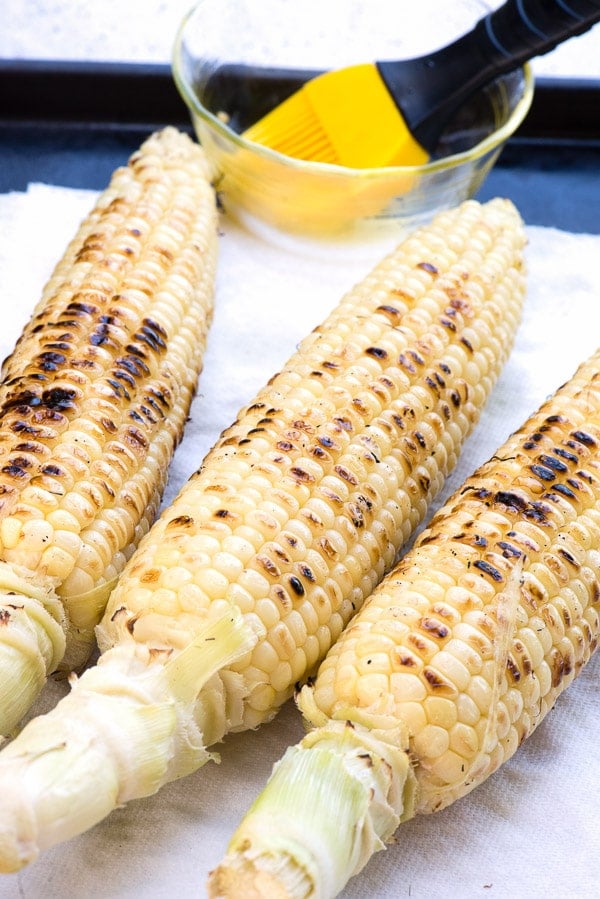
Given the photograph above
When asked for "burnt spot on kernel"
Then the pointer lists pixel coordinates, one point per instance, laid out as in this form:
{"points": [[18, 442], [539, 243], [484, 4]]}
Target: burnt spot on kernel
{"points": [[13, 470], [513, 669], [481, 493], [455, 398], [559, 667], [51, 361], [508, 550], [269, 566], [434, 627], [306, 572], [405, 660], [569, 558], [428, 267], [448, 323], [78, 308], [346, 475], [328, 548], [152, 334], [119, 389], [301, 476], [424, 482], [52, 470], [511, 500], [553, 463], [526, 664], [102, 335], [331, 495], [282, 596], [583, 437], [356, 515], [296, 585], [344, 424], [377, 352], [125, 377], [134, 365], [543, 473], [533, 440], [390, 312], [28, 448], [565, 454], [406, 363], [327, 442], [438, 683], [224, 513], [489, 569], [564, 491], [185, 522], [416, 357]]}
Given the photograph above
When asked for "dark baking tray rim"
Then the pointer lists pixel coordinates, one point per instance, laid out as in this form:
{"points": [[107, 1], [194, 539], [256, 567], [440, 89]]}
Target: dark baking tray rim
{"points": [[125, 95]]}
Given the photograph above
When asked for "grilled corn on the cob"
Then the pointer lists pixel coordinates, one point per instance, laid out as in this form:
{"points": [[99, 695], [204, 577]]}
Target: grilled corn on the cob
{"points": [[292, 519], [92, 402], [454, 660]]}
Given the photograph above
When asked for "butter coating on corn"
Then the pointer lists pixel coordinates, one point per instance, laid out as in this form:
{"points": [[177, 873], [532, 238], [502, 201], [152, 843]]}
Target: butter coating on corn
{"points": [[92, 403], [452, 663], [296, 513]]}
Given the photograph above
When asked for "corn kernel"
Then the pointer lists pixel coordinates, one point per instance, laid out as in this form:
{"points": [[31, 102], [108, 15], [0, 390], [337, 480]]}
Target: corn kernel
{"points": [[440, 711], [57, 562], [10, 532], [431, 742]]}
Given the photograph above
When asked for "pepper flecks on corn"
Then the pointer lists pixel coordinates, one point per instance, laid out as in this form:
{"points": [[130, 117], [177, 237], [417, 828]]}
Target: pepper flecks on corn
{"points": [[454, 660], [92, 402], [292, 519]]}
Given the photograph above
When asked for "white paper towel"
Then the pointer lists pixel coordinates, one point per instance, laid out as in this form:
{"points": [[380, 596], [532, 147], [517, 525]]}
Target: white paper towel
{"points": [[529, 831]]}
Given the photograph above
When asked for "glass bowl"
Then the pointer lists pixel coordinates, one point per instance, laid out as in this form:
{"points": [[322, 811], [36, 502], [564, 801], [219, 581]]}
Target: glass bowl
{"points": [[234, 60]]}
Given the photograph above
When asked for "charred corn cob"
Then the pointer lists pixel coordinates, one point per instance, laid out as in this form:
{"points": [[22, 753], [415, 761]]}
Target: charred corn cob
{"points": [[92, 402], [294, 516], [454, 660]]}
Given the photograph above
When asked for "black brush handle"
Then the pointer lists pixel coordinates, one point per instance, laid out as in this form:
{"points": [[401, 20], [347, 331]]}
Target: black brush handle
{"points": [[428, 90], [520, 30]]}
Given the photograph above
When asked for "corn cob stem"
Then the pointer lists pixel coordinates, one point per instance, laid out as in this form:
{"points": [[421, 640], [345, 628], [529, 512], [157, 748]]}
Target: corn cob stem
{"points": [[303, 503], [138, 703], [455, 659], [92, 403], [330, 804]]}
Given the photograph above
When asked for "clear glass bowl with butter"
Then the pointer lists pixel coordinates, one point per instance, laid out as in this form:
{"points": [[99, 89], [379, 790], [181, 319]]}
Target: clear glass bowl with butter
{"points": [[234, 60]]}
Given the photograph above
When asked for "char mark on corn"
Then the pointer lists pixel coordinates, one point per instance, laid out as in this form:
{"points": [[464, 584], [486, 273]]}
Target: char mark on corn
{"points": [[472, 638], [303, 503], [94, 397], [453, 661], [295, 515]]}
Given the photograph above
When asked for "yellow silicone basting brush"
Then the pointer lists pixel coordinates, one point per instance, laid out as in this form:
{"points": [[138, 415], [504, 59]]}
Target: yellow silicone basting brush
{"points": [[393, 113]]}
